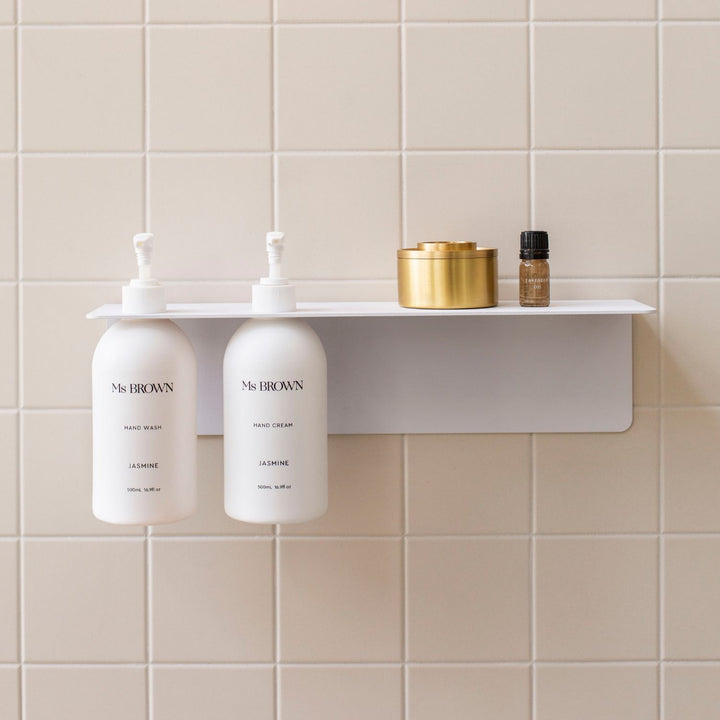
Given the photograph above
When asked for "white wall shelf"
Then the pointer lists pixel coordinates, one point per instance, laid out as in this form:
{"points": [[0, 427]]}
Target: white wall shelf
{"points": [[507, 369]]}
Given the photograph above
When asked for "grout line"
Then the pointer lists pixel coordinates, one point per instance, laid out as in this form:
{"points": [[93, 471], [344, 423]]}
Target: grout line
{"points": [[138, 25], [344, 152], [275, 183], [243, 283], [531, 154], [274, 119], [149, 653], [372, 664], [489, 22], [715, 663], [533, 575], [276, 622], [531, 117], [349, 152], [56, 411], [19, 390], [147, 222], [138, 537], [146, 121], [533, 437], [660, 269], [405, 627], [402, 118]]}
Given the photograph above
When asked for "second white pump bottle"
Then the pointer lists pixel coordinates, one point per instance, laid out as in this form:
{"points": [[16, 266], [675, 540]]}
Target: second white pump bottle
{"points": [[275, 409]]}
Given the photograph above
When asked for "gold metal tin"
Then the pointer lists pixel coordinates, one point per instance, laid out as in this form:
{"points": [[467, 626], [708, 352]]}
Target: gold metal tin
{"points": [[447, 275]]}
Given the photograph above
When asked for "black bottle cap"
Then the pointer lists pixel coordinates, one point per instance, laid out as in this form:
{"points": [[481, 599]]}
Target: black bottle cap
{"points": [[534, 245]]}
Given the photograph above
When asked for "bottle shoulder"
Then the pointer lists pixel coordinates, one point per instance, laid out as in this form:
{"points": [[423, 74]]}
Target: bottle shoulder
{"points": [[275, 330], [144, 341], [275, 338]]}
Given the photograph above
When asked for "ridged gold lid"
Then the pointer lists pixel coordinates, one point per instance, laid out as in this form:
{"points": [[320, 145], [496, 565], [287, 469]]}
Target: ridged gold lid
{"points": [[446, 251]]}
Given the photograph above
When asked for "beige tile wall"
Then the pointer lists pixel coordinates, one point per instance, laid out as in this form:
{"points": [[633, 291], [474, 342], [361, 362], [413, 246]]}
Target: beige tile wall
{"points": [[511, 577]]}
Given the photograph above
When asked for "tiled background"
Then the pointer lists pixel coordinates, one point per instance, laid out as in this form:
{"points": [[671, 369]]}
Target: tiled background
{"points": [[552, 577]]}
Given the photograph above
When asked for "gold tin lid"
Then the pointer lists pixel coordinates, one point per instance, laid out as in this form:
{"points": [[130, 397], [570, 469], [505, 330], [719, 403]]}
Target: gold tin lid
{"points": [[447, 275], [442, 250]]}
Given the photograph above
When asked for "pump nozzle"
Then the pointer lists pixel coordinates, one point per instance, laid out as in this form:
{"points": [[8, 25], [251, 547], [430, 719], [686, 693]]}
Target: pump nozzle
{"points": [[143, 244], [275, 246], [274, 294], [143, 295]]}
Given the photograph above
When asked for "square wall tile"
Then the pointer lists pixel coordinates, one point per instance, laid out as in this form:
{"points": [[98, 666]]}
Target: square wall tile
{"points": [[340, 600], [7, 89], [466, 87], [54, 326], [210, 215], [79, 215], [597, 598], [468, 693], [209, 88], [81, 11], [469, 600], [467, 484], [692, 596], [220, 592], [605, 97], [9, 601], [691, 9], [352, 693], [84, 601], [597, 692], [10, 693], [209, 517], [209, 11], [645, 328], [601, 212], [341, 214], [85, 693], [481, 198], [691, 214], [9, 476], [440, 10], [212, 693], [57, 476], [691, 457], [8, 348], [8, 224], [338, 88], [593, 10], [691, 346], [690, 82], [365, 478], [333, 11], [7, 11], [692, 692], [599, 482], [89, 81]]}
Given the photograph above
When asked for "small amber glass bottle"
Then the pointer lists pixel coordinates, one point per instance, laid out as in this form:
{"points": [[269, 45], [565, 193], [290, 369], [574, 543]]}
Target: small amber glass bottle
{"points": [[534, 269]]}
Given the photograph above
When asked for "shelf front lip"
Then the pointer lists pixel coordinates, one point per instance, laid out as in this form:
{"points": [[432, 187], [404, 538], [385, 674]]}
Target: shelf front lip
{"points": [[193, 311]]}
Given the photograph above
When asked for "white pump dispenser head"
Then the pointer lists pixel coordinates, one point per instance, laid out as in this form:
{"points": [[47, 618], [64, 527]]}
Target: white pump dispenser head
{"points": [[144, 295], [274, 294]]}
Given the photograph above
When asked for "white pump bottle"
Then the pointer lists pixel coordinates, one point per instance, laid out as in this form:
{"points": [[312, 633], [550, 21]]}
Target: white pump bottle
{"points": [[275, 409], [144, 395]]}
